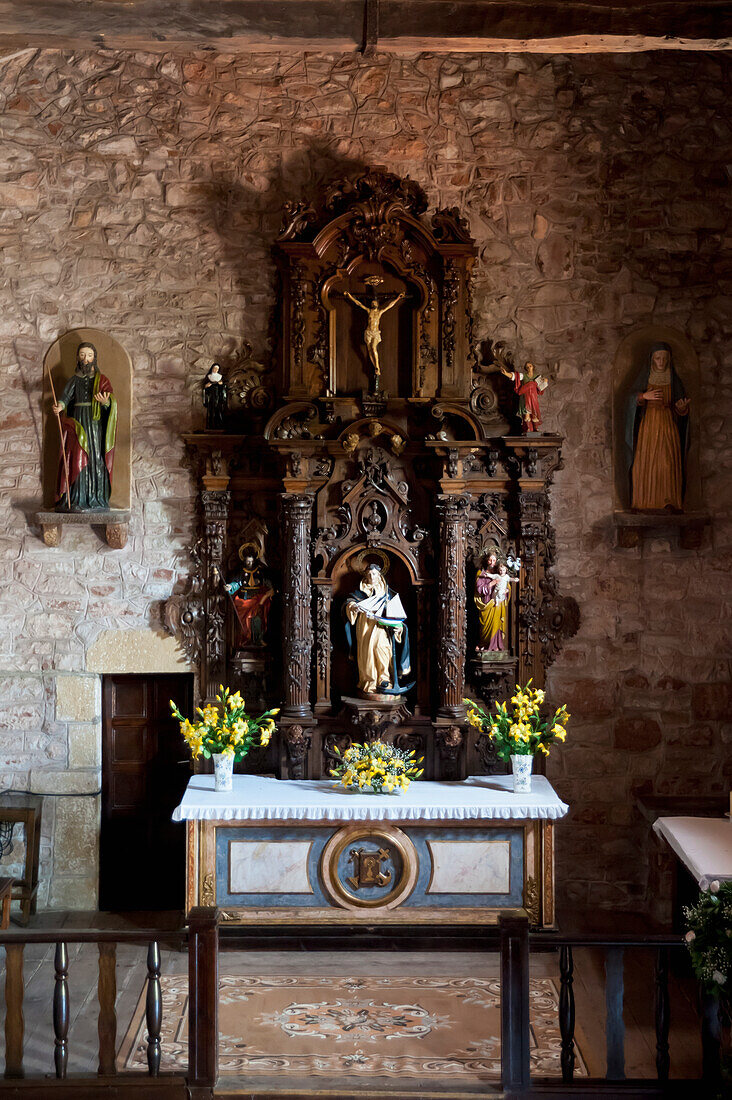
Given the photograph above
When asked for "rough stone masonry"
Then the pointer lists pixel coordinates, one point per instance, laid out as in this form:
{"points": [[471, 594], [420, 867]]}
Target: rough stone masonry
{"points": [[140, 194]]}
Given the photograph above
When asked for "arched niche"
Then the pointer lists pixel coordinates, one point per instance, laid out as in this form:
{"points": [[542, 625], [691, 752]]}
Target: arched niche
{"points": [[345, 579], [114, 362], [632, 355]]}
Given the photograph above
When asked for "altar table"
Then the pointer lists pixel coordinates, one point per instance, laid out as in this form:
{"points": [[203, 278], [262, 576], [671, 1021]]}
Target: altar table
{"points": [[703, 844], [308, 851]]}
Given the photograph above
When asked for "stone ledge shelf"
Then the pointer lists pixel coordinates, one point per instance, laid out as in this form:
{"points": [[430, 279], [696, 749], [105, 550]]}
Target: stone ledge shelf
{"points": [[631, 526], [115, 523]]}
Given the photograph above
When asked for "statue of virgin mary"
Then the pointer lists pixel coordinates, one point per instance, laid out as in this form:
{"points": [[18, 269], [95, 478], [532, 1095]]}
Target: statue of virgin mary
{"points": [[376, 629]]}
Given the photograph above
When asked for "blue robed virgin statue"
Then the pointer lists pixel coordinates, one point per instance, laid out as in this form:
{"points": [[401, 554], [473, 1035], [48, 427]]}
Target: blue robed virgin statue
{"points": [[377, 633]]}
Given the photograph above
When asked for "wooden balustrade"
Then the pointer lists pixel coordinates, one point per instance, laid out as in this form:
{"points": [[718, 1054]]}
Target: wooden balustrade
{"points": [[202, 937], [516, 955], [515, 944]]}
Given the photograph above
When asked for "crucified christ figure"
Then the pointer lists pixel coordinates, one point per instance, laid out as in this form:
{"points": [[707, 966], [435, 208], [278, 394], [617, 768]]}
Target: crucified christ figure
{"points": [[372, 336]]}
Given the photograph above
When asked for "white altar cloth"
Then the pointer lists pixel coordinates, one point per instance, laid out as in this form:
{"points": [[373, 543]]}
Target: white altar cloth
{"points": [[704, 844], [259, 798]]}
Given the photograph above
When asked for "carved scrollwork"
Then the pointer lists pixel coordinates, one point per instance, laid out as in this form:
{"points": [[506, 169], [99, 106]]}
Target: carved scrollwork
{"points": [[318, 352], [484, 401], [450, 290], [449, 226], [323, 643], [298, 283], [373, 723], [247, 386], [297, 620], [452, 513], [183, 615], [297, 219], [333, 741], [295, 421], [297, 742], [380, 190], [449, 741], [410, 741], [559, 618]]}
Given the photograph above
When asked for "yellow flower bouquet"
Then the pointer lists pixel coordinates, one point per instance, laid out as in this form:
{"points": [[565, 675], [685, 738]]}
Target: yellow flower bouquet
{"points": [[520, 731], [378, 767], [224, 729]]}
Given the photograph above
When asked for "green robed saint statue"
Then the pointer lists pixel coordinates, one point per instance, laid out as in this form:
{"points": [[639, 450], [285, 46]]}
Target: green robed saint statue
{"points": [[87, 412]]}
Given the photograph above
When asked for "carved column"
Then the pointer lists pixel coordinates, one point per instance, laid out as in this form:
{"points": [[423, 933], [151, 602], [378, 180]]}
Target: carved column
{"points": [[215, 504], [452, 512], [297, 510]]}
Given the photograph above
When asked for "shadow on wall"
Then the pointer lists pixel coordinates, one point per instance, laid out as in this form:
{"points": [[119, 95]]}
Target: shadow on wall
{"points": [[248, 219]]}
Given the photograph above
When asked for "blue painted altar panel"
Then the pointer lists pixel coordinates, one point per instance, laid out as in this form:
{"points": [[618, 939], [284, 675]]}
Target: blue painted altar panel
{"points": [[319, 836]]}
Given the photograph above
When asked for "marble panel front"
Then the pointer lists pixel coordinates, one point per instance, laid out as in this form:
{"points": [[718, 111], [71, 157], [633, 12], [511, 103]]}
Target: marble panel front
{"points": [[269, 867], [470, 866]]}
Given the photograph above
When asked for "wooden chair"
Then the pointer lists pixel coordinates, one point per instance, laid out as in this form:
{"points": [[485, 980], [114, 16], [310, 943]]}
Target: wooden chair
{"points": [[6, 889]]}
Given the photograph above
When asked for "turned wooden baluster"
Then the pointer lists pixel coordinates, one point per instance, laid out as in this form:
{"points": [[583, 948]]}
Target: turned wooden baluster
{"points": [[61, 1009], [14, 1023], [153, 1009], [614, 1026], [566, 1011], [107, 1022], [662, 1014], [711, 1034]]}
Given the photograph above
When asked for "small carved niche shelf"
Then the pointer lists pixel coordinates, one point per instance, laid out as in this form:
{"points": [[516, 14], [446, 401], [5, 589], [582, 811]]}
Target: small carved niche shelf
{"points": [[115, 523]]}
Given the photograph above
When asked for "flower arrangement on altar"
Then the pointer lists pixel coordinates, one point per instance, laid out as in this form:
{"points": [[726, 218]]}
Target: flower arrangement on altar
{"points": [[225, 732], [378, 767], [521, 732], [709, 939]]}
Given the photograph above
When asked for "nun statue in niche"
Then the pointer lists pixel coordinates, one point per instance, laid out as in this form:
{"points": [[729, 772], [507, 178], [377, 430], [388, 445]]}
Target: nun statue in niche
{"points": [[657, 435], [377, 632]]}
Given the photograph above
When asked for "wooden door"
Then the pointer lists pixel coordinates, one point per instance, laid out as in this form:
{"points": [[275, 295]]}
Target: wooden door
{"points": [[145, 769]]}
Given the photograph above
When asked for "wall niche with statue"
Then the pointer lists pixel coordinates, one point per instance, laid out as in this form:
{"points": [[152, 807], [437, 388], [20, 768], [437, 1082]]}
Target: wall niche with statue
{"points": [[656, 437], [375, 541], [87, 415]]}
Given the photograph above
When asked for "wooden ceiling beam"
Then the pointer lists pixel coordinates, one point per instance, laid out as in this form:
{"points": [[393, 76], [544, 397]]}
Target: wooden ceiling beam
{"points": [[542, 26]]}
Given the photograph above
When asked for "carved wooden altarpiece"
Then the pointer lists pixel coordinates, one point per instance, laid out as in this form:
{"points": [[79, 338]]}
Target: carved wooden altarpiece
{"points": [[325, 459]]}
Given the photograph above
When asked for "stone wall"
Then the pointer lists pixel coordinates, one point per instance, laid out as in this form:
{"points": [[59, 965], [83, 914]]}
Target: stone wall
{"points": [[140, 195]]}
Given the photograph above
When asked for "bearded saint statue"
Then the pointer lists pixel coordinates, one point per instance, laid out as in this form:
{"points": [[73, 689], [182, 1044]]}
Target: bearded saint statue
{"points": [[88, 421], [377, 633]]}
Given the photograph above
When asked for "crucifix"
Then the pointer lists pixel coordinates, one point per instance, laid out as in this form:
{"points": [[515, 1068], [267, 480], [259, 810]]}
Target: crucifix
{"points": [[372, 335]]}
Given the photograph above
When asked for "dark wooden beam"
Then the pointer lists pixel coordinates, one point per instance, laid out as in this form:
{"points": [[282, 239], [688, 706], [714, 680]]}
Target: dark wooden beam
{"points": [[547, 26]]}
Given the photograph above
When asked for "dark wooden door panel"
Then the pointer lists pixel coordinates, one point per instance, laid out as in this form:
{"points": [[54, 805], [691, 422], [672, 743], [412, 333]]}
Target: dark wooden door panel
{"points": [[144, 773]]}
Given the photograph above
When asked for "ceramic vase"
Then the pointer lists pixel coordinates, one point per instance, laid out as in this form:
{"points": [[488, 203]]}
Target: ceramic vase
{"points": [[521, 767], [223, 770]]}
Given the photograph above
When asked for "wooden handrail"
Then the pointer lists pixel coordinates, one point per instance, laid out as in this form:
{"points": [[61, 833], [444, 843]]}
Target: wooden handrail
{"points": [[602, 939], [90, 935]]}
